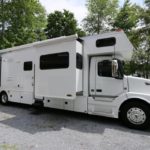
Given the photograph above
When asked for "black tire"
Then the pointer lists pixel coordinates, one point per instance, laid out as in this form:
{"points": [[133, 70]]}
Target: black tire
{"points": [[135, 115], [4, 98]]}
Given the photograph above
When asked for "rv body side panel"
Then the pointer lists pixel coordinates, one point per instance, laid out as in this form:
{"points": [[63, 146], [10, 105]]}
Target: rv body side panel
{"points": [[78, 105], [41, 82], [79, 67], [16, 81], [121, 48], [55, 71]]}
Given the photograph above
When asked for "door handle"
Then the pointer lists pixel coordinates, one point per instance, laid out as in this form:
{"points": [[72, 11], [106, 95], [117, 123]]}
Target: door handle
{"points": [[98, 90]]}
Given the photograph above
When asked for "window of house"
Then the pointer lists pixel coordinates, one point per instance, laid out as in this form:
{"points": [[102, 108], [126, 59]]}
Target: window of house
{"points": [[54, 61], [106, 42], [105, 68], [27, 66]]}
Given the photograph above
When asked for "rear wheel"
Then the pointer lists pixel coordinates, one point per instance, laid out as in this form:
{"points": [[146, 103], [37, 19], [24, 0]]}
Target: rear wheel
{"points": [[135, 115], [4, 98]]}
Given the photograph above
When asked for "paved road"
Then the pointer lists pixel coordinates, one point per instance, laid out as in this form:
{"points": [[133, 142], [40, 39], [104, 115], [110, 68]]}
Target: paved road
{"points": [[22, 128]]}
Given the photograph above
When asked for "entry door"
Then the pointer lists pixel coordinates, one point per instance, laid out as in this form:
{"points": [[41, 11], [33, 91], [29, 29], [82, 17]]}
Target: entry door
{"points": [[105, 85], [27, 82], [12, 73]]}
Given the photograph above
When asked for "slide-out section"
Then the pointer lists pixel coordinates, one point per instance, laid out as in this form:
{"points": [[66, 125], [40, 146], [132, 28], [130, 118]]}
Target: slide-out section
{"points": [[55, 70]]}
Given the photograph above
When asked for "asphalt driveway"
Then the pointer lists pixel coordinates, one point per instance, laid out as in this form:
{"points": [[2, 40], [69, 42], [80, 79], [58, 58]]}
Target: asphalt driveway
{"points": [[24, 128]]}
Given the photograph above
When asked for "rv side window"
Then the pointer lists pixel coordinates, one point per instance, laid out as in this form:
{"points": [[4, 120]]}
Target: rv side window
{"points": [[54, 61], [28, 66], [79, 61], [104, 68], [106, 42]]}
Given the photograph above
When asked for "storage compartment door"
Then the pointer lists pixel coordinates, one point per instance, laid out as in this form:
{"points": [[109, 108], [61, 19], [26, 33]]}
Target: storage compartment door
{"points": [[56, 75]]}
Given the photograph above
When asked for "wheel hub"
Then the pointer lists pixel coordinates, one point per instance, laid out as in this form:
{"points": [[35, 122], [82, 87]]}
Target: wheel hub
{"points": [[136, 116]]}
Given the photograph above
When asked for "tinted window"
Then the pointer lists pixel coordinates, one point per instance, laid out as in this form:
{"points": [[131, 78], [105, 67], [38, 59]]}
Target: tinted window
{"points": [[28, 66], [105, 42], [79, 61], [105, 69], [54, 61]]}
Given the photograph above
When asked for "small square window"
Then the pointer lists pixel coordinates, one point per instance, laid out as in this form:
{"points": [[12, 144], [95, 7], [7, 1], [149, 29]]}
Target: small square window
{"points": [[28, 66]]}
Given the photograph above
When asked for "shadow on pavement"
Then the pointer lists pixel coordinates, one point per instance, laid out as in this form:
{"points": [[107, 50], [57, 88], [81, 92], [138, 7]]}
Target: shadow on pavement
{"points": [[31, 120]]}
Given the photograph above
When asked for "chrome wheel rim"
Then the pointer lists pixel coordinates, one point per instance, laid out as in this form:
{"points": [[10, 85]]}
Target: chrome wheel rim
{"points": [[136, 116], [4, 98]]}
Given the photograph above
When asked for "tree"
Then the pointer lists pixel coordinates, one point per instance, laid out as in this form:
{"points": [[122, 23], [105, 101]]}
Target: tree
{"points": [[140, 64], [133, 20], [62, 24], [80, 32], [100, 15], [145, 30], [147, 2], [144, 33], [128, 17], [3, 18], [24, 22]]}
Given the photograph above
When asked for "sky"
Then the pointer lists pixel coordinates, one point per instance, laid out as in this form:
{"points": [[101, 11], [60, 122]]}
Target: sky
{"points": [[76, 6]]}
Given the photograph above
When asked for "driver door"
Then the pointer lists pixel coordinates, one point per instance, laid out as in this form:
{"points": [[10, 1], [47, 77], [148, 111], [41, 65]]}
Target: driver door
{"points": [[105, 85]]}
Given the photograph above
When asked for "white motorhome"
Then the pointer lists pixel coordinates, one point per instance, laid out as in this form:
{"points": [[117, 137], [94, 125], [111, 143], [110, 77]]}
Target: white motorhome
{"points": [[77, 74]]}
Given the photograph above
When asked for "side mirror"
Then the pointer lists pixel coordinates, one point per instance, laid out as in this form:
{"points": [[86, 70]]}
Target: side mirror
{"points": [[115, 68]]}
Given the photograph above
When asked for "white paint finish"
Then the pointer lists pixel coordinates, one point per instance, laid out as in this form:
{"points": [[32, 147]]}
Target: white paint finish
{"points": [[109, 86], [92, 77], [10, 75], [54, 85], [139, 85], [100, 107], [79, 80], [123, 50], [13, 74], [51, 83], [100, 110], [139, 96], [15, 79], [77, 105], [39, 44], [68, 105], [80, 104], [105, 84], [123, 47], [54, 103], [26, 97], [79, 72], [15, 96]]}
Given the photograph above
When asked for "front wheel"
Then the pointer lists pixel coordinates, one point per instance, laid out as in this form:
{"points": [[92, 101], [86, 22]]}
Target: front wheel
{"points": [[135, 115], [4, 98]]}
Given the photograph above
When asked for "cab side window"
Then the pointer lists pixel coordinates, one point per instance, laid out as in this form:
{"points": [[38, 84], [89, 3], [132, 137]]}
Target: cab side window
{"points": [[105, 68]]}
